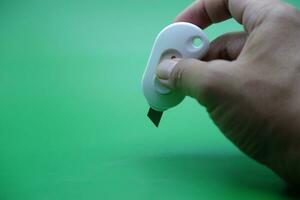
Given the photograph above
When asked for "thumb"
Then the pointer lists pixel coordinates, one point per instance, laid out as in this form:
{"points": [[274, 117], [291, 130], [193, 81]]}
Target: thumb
{"points": [[204, 81]]}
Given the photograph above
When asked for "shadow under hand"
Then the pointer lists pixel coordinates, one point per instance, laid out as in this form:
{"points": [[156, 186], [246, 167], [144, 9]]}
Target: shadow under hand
{"points": [[291, 192], [214, 172]]}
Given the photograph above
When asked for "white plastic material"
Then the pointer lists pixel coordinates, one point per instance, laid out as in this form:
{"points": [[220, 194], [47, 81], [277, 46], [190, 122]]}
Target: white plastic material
{"points": [[177, 40]]}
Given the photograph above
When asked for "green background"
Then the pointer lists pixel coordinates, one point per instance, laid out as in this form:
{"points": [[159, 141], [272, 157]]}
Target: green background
{"points": [[73, 119]]}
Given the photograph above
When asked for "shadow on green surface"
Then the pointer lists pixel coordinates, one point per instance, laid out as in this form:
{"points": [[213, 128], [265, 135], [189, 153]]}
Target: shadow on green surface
{"points": [[292, 193], [214, 172]]}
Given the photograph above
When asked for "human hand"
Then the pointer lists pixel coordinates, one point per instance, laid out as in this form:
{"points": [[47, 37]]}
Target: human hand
{"points": [[249, 81]]}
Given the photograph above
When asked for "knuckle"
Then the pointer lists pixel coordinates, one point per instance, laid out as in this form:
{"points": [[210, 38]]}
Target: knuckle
{"points": [[274, 13], [213, 83], [179, 72], [282, 13], [220, 82]]}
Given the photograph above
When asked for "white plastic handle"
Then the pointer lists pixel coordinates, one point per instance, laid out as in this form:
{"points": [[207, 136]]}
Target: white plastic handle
{"points": [[176, 40]]}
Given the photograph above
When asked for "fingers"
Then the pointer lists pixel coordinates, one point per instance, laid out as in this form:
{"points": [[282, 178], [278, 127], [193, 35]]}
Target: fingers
{"points": [[201, 80], [206, 12], [226, 47]]}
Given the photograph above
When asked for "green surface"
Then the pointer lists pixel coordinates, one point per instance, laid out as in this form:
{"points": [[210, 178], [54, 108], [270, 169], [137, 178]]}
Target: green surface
{"points": [[73, 119]]}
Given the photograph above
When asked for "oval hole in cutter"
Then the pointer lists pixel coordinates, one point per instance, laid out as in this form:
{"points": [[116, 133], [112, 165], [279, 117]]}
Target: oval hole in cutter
{"points": [[197, 42]]}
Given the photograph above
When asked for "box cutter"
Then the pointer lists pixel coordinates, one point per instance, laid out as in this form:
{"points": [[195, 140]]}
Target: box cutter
{"points": [[179, 40]]}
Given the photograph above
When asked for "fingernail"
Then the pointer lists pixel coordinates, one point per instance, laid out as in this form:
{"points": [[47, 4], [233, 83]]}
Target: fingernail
{"points": [[165, 68]]}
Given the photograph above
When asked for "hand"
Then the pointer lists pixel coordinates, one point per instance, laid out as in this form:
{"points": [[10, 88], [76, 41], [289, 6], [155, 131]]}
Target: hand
{"points": [[249, 81]]}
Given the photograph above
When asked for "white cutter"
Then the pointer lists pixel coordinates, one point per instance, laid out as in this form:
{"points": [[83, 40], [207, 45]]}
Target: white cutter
{"points": [[179, 40]]}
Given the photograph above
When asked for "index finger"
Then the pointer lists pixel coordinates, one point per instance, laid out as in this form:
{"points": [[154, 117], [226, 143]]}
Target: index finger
{"points": [[206, 12]]}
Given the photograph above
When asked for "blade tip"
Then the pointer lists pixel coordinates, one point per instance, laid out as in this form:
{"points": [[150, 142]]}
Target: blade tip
{"points": [[155, 116]]}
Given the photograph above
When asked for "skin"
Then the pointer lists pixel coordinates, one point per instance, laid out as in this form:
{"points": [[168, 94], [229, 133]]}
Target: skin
{"points": [[249, 81]]}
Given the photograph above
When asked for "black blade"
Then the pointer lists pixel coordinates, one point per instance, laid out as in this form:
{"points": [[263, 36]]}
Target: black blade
{"points": [[155, 116]]}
